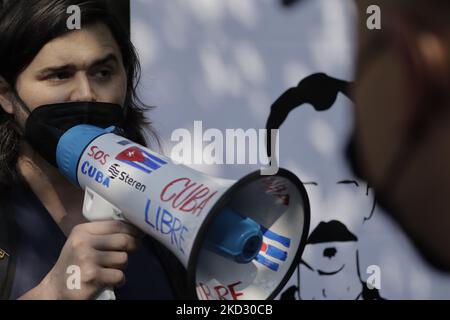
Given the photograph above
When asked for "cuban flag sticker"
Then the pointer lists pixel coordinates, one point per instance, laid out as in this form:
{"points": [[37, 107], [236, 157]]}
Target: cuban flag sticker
{"points": [[271, 254], [140, 159]]}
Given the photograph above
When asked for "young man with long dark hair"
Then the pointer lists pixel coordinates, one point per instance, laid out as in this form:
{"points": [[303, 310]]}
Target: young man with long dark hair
{"points": [[63, 76]]}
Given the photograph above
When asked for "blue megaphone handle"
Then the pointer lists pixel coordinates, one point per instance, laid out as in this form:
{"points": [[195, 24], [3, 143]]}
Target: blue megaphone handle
{"points": [[234, 237]]}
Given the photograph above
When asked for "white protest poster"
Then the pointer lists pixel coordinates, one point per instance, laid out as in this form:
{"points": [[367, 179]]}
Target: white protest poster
{"points": [[221, 65]]}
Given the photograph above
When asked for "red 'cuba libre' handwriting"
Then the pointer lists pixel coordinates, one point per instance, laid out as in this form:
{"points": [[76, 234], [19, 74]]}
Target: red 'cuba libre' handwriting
{"points": [[220, 292], [186, 195]]}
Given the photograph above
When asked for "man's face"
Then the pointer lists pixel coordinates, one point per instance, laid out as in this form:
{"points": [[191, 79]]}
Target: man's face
{"points": [[388, 95], [381, 98], [83, 65]]}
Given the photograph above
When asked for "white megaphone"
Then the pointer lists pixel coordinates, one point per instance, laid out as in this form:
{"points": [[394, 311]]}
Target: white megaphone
{"points": [[237, 239]]}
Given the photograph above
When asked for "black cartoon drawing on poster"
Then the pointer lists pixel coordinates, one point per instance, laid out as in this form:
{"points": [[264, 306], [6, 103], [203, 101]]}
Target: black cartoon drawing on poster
{"points": [[335, 261], [330, 267]]}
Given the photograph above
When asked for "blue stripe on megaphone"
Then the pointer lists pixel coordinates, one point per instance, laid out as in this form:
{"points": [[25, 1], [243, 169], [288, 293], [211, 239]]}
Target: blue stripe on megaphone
{"points": [[149, 163], [124, 142], [266, 262], [134, 164], [276, 253], [276, 237], [159, 160]]}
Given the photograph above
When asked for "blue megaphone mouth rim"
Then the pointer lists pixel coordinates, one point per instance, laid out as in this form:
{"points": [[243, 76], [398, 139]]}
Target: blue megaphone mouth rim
{"points": [[222, 202]]}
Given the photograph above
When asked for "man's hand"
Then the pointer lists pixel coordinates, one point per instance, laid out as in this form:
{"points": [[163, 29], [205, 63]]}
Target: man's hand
{"points": [[100, 249]]}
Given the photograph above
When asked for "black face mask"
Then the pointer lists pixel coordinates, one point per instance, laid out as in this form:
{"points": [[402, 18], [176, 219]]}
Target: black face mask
{"points": [[46, 124]]}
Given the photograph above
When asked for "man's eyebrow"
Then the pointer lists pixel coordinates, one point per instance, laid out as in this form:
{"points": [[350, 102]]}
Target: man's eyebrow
{"points": [[309, 183], [110, 57], [348, 182]]}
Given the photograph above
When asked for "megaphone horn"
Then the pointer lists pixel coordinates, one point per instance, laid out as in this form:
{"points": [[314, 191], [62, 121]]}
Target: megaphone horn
{"points": [[237, 239]]}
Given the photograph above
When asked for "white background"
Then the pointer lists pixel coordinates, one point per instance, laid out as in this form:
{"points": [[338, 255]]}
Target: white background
{"points": [[225, 62]]}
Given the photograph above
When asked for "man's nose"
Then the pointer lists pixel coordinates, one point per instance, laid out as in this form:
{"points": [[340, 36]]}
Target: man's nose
{"points": [[82, 89]]}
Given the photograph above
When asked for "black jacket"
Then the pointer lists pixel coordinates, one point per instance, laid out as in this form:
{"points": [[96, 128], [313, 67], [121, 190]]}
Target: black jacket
{"points": [[7, 244], [176, 273]]}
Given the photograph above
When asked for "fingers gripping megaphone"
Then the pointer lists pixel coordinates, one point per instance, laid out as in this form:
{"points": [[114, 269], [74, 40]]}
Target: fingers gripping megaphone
{"points": [[236, 239]]}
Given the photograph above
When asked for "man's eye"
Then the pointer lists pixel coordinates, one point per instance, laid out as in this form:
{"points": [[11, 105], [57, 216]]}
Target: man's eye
{"points": [[103, 74], [58, 76]]}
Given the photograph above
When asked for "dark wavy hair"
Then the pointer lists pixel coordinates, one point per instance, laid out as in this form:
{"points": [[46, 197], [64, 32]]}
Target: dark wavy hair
{"points": [[25, 27]]}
